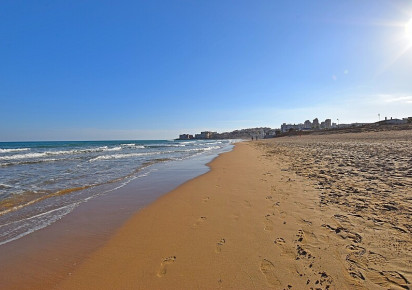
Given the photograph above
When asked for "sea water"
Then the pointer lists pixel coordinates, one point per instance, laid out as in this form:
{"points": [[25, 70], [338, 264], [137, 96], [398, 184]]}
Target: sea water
{"points": [[40, 182]]}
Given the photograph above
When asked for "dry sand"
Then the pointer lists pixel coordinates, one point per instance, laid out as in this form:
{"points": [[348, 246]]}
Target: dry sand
{"points": [[321, 212]]}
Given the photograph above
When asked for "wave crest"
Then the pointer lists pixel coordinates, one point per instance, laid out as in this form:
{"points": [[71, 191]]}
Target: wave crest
{"points": [[13, 150]]}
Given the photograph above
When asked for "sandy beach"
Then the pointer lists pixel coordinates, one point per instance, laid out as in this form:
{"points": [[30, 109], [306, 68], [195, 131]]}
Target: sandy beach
{"points": [[206, 145], [309, 212]]}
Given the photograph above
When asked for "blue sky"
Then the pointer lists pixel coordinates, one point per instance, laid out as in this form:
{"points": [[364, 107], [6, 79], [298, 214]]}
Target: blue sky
{"points": [[86, 70]]}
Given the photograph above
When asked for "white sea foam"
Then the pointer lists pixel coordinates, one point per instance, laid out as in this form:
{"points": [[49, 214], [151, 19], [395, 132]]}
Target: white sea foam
{"points": [[200, 149], [36, 223], [4, 186], [176, 145], [13, 150], [55, 153], [23, 156], [99, 149], [114, 149], [119, 156], [166, 145], [211, 148], [132, 146]]}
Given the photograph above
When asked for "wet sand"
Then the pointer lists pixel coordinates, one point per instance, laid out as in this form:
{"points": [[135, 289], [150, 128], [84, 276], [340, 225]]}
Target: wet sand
{"points": [[43, 258], [321, 212]]}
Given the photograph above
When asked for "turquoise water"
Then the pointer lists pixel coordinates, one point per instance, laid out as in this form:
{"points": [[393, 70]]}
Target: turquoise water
{"points": [[40, 182]]}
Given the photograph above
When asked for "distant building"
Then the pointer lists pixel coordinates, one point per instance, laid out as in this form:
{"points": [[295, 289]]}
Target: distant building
{"points": [[288, 127], [272, 133], [392, 121], [285, 127], [205, 135], [185, 137], [358, 124], [307, 125], [322, 125], [345, 126], [258, 134], [315, 123]]}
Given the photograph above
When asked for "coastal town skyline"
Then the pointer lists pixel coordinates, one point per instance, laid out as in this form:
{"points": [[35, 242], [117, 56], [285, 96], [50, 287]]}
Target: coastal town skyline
{"points": [[150, 70], [267, 132]]}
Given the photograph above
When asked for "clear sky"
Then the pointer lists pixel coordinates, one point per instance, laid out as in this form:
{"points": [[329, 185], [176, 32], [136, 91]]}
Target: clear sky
{"points": [[87, 70]]}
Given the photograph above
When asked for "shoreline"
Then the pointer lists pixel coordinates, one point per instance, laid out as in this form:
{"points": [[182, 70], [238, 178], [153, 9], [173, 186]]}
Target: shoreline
{"points": [[221, 237], [37, 190], [41, 259]]}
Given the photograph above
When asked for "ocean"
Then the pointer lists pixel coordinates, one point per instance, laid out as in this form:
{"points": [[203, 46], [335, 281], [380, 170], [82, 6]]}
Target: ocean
{"points": [[41, 182]]}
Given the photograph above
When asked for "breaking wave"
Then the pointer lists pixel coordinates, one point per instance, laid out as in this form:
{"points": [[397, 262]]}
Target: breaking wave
{"points": [[13, 150]]}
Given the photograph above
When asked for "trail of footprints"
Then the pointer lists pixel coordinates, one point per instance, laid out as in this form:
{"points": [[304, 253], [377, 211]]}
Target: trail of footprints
{"points": [[358, 257], [314, 277], [166, 262], [301, 255]]}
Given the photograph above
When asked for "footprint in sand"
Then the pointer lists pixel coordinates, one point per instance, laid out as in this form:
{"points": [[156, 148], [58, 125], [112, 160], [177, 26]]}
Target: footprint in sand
{"points": [[199, 221], [164, 265], [206, 199], [269, 270], [276, 204], [268, 223], [281, 213], [285, 250], [219, 245]]}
